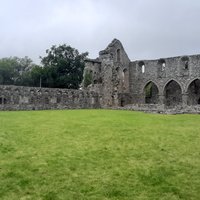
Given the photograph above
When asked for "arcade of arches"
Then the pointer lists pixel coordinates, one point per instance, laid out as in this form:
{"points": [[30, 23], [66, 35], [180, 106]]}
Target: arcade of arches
{"points": [[172, 93]]}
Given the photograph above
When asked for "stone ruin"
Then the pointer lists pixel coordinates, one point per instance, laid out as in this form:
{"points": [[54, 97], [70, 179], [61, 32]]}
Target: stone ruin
{"points": [[166, 85], [35, 98]]}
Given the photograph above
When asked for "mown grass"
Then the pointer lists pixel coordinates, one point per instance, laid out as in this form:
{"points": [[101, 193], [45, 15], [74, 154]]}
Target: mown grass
{"points": [[99, 155]]}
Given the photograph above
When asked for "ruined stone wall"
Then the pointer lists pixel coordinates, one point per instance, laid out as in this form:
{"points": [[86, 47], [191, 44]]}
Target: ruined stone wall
{"points": [[32, 98], [149, 85], [166, 83], [113, 73], [182, 70]]}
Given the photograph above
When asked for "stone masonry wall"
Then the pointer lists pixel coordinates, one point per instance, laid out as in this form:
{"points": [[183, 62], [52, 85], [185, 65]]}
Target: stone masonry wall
{"points": [[112, 69], [166, 83], [32, 98], [149, 85], [174, 69]]}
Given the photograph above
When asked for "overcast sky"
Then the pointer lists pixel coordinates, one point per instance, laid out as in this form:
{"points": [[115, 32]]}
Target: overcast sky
{"points": [[148, 29]]}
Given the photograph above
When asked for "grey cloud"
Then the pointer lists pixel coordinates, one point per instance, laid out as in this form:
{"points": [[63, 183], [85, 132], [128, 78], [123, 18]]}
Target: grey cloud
{"points": [[147, 29]]}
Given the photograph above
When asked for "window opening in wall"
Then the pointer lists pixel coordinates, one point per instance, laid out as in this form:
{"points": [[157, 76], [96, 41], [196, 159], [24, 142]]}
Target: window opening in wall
{"points": [[173, 94], [123, 76], [151, 93], [194, 92], [3, 100], [95, 81], [122, 102], [118, 55], [142, 66], [186, 65], [185, 61], [163, 66]]}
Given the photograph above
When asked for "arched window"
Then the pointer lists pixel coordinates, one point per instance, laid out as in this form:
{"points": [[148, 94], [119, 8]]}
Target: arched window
{"points": [[3, 100], [151, 93], [162, 64], [142, 66], [118, 55], [194, 92], [161, 68], [173, 94], [124, 74], [185, 62]]}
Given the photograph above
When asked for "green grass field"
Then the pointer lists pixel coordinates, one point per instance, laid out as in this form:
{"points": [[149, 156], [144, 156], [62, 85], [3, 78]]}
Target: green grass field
{"points": [[99, 155]]}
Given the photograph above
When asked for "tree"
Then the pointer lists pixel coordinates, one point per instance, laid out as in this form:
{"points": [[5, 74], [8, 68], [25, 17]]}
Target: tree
{"points": [[32, 77], [63, 67], [13, 70], [8, 72]]}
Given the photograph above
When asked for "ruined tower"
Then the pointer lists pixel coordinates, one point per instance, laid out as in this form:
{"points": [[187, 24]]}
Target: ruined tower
{"points": [[110, 75]]}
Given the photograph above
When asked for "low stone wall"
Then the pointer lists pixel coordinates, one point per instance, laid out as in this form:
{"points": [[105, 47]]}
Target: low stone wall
{"points": [[156, 108], [33, 98]]}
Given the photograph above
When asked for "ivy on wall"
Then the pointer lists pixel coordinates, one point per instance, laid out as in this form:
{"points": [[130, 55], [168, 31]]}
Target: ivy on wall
{"points": [[87, 78]]}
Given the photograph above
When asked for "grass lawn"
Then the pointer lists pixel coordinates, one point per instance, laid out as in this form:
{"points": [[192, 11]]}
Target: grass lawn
{"points": [[99, 155]]}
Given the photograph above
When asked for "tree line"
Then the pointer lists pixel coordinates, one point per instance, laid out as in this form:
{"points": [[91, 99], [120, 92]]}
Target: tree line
{"points": [[62, 67]]}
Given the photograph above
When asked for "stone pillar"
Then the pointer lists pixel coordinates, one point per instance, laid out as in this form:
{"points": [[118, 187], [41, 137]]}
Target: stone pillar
{"points": [[184, 99], [142, 98], [116, 100], [161, 99]]}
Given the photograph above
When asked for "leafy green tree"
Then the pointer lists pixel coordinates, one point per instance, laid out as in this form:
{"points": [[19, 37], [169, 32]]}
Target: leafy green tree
{"points": [[8, 73], [13, 70], [32, 77], [63, 67]]}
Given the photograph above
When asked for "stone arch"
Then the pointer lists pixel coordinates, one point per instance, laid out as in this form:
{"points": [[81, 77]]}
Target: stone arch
{"points": [[193, 91], [173, 93], [151, 93]]}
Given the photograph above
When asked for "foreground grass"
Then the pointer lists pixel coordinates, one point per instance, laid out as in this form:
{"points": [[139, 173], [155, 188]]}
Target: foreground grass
{"points": [[99, 154]]}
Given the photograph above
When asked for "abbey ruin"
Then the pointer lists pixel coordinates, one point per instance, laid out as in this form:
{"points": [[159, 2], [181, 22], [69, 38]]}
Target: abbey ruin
{"points": [[113, 81], [170, 84]]}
